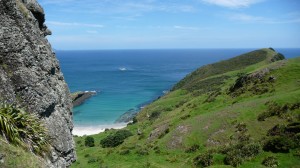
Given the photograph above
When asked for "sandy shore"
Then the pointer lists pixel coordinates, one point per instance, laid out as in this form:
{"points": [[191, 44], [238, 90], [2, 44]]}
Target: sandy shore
{"points": [[90, 130]]}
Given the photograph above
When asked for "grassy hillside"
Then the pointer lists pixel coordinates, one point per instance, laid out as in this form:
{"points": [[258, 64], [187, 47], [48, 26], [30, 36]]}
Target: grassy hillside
{"points": [[12, 156], [242, 112]]}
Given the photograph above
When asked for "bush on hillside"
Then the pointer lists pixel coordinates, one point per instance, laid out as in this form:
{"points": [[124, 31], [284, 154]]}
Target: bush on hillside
{"points": [[192, 149], [23, 129], [203, 160], [279, 144], [274, 109], [241, 152], [270, 161], [154, 115], [115, 139], [134, 120], [89, 141]]}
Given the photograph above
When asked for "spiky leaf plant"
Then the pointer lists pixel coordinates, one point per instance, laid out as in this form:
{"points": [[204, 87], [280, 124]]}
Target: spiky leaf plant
{"points": [[23, 129]]}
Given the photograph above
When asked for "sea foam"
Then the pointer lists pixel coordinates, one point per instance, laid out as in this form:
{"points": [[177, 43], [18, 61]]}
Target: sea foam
{"points": [[90, 130]]}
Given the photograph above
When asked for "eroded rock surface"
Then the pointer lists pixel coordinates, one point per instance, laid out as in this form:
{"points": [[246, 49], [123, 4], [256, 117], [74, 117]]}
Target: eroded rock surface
{"points": [[30, 75]]}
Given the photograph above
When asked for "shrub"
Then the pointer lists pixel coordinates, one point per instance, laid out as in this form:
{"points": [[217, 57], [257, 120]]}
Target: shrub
{"points": [[278, 144], [270, 161], [79, 142], [233, 158], [156, 149], [154, 115], [274, 109], [277, 130], [203, 160], [134, 120], [192, 149], [89, 141], [251, 150], [23, 129], [237, 154], [116, 139]]}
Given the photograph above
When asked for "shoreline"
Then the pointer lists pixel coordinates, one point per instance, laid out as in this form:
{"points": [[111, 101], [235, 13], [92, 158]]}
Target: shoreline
{"points": [[91, 130]]}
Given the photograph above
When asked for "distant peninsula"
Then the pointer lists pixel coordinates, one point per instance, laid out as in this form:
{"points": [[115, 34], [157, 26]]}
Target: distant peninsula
{"points": [[81, 96]]}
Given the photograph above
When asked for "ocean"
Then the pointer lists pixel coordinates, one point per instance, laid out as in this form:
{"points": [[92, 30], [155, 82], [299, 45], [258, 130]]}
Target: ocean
{"points": [[129, 79]]}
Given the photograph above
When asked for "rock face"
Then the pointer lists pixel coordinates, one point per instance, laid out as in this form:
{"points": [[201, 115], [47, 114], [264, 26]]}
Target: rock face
{"points": [[30, 75], [80, 97]]}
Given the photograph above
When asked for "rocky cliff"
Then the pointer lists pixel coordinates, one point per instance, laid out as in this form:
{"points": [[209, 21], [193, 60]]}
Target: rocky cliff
{"points": [[30, 75]]}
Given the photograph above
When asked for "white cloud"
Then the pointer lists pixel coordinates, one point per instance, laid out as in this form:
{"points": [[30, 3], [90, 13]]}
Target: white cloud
{"points": [[288, 18], [185, 27], [55, 23], [233, 3], [247, 18]]}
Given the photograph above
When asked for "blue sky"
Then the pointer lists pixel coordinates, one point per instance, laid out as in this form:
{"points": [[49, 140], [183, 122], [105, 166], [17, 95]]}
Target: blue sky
{"points": [[147, 24]]}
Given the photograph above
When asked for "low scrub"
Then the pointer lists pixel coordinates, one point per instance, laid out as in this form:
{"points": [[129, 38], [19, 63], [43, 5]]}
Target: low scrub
{"points": [[89, 141], [283, 138], [270, 161], [239, 153], [203, 160], [154, 115], [274, 109], [192, 149], [115, 139]]}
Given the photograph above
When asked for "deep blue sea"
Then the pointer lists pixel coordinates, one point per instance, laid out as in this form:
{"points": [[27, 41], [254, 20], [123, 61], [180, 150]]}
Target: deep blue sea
{"points": [[127, 79]]}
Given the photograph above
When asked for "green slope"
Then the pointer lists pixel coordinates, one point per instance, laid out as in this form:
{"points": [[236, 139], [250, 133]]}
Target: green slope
{"points": [[223, 115]]}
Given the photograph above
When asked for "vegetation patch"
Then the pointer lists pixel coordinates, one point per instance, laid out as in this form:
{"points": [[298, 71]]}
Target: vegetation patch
{"points": [[23, 129], [274, 109], [270, 161], [241, 152], [89, 141], [192, 149], [256, 83], [154, 115], [221, 67], [203, 160], [283, 138], [206, 85], [115, 139]]}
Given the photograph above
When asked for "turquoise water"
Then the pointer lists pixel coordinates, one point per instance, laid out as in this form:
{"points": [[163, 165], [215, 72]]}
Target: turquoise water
{"points": [[128, 79]]}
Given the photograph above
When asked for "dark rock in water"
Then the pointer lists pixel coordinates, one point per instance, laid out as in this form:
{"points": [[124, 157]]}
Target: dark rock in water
{"points": [[79, 97], [128, 116], [30, 75]]}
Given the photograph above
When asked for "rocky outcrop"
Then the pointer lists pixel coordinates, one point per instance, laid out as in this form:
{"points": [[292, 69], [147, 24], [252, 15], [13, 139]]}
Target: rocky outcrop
{"points": [[80, 97], [30, 75], [127, 116]]}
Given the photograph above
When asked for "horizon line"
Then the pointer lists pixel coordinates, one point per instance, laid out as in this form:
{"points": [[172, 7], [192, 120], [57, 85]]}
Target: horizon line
{"points": [[168, 49]]}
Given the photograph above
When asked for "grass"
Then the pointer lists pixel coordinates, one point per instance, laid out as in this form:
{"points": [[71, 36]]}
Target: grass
{"points": [[16, 157], [23, 137], [205, 118]]}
